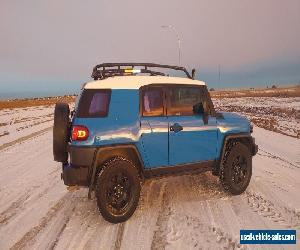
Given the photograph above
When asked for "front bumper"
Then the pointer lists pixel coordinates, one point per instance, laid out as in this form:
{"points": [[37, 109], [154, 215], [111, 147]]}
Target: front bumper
{"points": [[254, 147]]}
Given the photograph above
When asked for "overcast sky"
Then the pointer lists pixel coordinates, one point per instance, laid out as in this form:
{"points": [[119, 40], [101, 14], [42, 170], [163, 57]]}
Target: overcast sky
{"points": [[53, 45]]}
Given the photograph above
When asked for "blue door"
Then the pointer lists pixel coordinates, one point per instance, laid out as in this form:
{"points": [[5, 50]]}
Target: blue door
{"points": [[191, 137], [154, 127]]}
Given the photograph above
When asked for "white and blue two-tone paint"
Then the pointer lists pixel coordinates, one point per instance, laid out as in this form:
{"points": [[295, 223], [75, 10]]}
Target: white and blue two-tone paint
{"points": [[157, 145], [128, 126]]}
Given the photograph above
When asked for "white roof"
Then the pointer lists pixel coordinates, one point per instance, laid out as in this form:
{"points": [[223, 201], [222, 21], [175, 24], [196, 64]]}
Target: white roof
{"points": [[135, 82]]}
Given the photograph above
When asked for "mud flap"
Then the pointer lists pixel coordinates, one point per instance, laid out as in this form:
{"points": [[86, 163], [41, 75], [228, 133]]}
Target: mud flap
{"points": [[94, 169]]}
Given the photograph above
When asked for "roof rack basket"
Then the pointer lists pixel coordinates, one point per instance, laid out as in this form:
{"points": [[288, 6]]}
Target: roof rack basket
{"points": [[105, 70]]}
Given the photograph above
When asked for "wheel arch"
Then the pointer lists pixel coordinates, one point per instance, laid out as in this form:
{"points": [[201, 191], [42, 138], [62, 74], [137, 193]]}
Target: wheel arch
{"points": [[105, 153], [127, 151], [243, 138]]}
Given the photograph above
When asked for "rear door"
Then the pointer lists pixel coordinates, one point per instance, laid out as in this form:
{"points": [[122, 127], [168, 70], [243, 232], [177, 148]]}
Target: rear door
{"points": [[192, 138], [154, 126]]}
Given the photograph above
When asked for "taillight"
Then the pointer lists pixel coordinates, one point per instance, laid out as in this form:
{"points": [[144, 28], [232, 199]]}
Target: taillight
{"points": [[79, 133]]}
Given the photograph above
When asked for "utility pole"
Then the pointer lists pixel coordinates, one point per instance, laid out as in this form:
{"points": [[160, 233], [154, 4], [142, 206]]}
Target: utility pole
{"points": [[171, 27]]}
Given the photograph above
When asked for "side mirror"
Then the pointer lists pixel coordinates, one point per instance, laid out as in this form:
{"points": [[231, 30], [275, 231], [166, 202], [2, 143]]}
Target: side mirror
{"points": [[198, 109]]}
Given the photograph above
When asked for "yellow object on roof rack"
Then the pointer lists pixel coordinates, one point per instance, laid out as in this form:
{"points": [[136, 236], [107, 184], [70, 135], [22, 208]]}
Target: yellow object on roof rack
{"points": [[133, 71]]}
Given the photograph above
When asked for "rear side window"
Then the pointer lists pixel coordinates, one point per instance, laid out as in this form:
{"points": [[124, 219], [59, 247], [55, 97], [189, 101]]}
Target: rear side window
{"points": [[182, 100], [94, 103], [152, 102]]}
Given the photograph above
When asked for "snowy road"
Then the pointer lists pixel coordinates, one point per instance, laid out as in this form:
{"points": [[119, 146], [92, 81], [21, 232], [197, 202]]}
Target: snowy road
{"points": [[186, 212]]}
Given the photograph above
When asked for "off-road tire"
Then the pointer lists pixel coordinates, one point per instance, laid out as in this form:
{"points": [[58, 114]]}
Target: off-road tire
{"points": [[61, 132], [233, 152], [112, 168]]}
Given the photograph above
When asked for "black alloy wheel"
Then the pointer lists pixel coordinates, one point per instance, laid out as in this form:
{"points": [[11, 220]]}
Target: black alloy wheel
{"points": [[236, 171], [118, 190]]}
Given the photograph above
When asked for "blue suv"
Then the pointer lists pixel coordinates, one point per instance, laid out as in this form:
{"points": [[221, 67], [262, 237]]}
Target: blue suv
{"points": [[133, 121]]}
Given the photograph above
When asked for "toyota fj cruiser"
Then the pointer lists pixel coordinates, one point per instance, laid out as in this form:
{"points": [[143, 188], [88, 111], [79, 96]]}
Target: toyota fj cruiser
{"points": [[133, 122]]}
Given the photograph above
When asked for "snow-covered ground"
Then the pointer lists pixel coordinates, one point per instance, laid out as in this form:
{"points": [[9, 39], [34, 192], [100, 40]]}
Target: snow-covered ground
{"points": [[21, 122], [281, 115], [184, 212]]}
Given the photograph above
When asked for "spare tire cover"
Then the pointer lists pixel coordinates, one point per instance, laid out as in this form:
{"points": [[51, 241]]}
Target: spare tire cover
{"points": [[61, 132]]}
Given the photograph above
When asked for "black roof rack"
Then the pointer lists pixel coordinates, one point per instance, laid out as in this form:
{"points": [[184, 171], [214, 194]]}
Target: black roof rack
{"points": [[105, 70]]}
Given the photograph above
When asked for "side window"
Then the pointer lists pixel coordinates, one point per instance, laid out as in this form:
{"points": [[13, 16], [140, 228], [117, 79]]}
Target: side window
{"points": [[183, 99], [152, 102], [94, 103]]}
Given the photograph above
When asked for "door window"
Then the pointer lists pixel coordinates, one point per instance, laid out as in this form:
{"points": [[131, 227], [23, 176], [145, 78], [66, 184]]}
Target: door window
{"points": [[152, 102], [182, 100]]}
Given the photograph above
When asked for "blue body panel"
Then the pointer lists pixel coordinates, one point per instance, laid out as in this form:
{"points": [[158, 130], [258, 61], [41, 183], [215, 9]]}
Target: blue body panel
{"points": [[231, 124], [196, 142], [154, 139], [156, 144], [120, 126]]}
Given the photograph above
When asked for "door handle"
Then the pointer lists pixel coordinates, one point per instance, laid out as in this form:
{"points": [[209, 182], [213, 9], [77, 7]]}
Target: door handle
{"points": [[176, 127]]}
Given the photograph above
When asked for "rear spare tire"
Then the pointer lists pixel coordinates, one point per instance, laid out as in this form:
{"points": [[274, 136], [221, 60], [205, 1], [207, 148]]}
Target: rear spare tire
{"points": [[61, 132]]}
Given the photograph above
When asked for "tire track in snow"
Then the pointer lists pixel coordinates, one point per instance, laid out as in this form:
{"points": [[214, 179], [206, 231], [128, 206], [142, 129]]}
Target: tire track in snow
{"points": [[13, 209], [29, 238], [213, 236], [53, 245], [159, 240], [33, 124], [19, 204], [272, 156], [182, 230], [288, 218], [224, 239], [24, 138], [119, 237]]}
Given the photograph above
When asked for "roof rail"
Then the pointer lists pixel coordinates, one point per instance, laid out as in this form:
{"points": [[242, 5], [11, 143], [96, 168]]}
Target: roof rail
{"points": [[105, 70]]}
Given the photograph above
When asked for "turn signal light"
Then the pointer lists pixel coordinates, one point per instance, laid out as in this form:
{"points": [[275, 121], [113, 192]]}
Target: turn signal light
{"points": [[79, 133]]}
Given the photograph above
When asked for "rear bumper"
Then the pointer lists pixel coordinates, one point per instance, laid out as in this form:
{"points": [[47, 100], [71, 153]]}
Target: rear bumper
{"points": [[81, 155], [77, 172]]}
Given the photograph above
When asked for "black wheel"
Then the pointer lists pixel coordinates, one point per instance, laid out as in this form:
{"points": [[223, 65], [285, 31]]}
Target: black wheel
{"points": [[118, 190], [236, 171], [61, 132]]}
